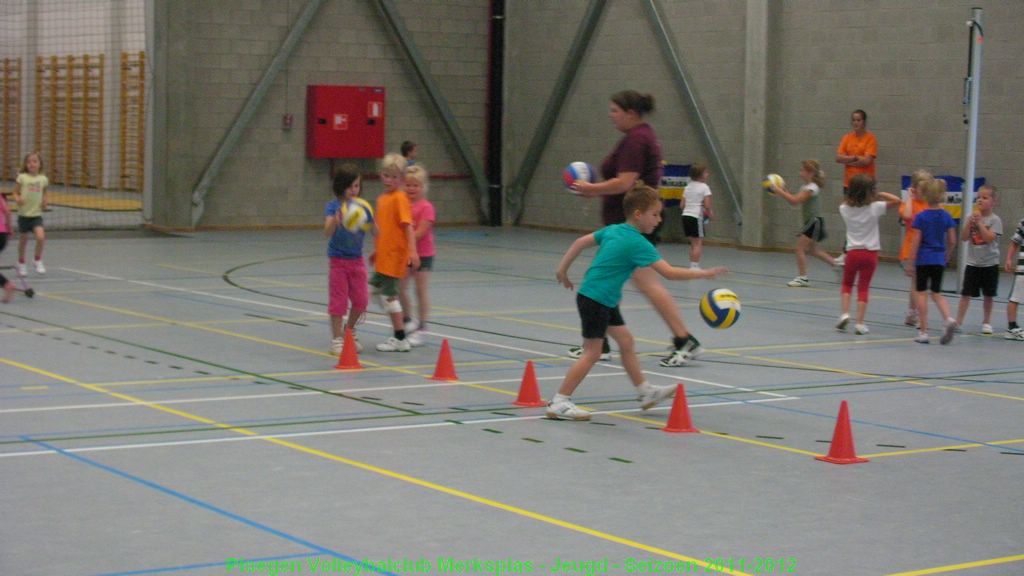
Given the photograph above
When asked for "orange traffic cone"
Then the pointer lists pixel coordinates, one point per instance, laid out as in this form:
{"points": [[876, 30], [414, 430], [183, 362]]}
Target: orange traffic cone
{"points": [[445, 369], [842, 451], [529, 392], [679, 416], [349, 357]]}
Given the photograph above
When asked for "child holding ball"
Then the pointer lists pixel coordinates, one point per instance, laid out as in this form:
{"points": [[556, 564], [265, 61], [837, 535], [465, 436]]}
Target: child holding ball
{"points": [[346, 280], [812, 230]]}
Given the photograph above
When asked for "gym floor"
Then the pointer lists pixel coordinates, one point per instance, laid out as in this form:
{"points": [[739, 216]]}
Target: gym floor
{"points": [[170, 405]]}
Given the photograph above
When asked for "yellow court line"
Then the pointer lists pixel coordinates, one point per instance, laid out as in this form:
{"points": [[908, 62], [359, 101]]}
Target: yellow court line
{"points": [[724, 436], [198, 326], [963, 566], [941, 448], [385, 472], [805, 345], [868, 375]]}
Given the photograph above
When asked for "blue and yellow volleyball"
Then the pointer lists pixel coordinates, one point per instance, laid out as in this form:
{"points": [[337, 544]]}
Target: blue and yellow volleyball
{"points": [[356, 215], [720, 308]]}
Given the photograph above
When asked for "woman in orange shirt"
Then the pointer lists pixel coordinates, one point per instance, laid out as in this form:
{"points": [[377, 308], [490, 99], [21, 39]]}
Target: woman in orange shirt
{"points": [[857, 152]]}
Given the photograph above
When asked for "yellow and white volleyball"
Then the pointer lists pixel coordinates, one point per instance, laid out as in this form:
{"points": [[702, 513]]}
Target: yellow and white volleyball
{"points": [[772, 180], [720, 308], [356, 215]]}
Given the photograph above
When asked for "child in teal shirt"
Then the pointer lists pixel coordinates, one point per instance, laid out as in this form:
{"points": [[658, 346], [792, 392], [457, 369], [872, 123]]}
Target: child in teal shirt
{"points": [[622, 249]]}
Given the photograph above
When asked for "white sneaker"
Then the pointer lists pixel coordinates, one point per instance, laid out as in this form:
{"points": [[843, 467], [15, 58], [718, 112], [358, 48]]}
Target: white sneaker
{"points": [[393, 344], [911, 318], [947, 334], [844, 319], [40, 269], [655, 395], [799, 282], [21, 269], [1014, 334], [415, 339], [411, 326], [338, 344], [861, 328], [577, 351], [566, 410], [922, 338], [986, 329], [840, 260]]}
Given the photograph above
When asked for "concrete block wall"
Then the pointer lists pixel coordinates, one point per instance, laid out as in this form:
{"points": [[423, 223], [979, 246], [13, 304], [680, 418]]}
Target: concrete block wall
{"points": [[903, 62], [213, 55], [623, 54]]}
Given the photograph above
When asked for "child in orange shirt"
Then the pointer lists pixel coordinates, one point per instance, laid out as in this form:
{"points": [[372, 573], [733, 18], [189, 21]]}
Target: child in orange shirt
{"points": [[395, 249], [910, 208]]}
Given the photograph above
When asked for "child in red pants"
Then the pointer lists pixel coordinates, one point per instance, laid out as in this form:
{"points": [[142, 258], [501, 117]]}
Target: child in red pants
{"points": [[861, 209]]}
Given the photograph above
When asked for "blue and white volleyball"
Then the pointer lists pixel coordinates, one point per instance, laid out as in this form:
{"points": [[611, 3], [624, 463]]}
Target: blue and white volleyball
{"points": [[356, 215], [720, 308]]}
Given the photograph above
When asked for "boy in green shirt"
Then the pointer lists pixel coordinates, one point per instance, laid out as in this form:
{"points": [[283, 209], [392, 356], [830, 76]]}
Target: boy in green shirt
{"points": [[622, 249]]}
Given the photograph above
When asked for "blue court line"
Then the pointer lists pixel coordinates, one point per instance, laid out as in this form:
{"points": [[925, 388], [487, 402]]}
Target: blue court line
{"points": [[883, 426], [200, 566], [207, 506]]}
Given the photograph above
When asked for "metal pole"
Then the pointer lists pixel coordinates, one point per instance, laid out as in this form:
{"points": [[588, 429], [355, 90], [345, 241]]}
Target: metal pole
{"points": [[517, 191], [972, 90], [227, 146], [685, 86]]}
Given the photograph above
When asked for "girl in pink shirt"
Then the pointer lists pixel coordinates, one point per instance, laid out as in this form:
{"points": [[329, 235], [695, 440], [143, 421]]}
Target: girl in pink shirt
{"points": [[423, 217]]}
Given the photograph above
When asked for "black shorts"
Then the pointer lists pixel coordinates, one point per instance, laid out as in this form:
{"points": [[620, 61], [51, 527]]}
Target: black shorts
{"points": [[26, 225], [426, 264], [815, 230], [596, 317], [982, 280], [929, 276], [693, 227]]}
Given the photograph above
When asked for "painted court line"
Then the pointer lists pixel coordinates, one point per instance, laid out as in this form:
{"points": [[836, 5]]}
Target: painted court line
{"points": [[434, 486], [207, 506], [962, 566], [485, 421]]}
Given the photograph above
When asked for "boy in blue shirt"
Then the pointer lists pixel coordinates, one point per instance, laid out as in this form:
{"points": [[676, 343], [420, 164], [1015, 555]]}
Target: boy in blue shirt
{"points": [[622, 249], [930, 250]]}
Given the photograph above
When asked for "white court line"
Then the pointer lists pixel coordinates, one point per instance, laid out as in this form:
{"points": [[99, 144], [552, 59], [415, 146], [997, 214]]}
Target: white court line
{"points": [[450, 337], [277, 395], [359, 430]]}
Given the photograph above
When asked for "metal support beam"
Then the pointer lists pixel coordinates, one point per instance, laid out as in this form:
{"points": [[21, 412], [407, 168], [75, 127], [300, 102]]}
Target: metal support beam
{"points": [[419, 65], [517, 191], [685, 86], [227, 146]]}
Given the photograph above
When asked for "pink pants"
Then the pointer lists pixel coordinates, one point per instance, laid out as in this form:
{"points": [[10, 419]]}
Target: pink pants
{"points": [[860, 263], [347, 281]]}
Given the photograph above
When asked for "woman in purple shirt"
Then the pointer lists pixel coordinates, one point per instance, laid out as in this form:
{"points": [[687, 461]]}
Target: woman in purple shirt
{"points": [[636, 158]]}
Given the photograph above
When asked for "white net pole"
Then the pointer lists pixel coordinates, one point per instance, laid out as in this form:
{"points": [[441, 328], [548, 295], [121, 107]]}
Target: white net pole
{"points": [[972, 91]]}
